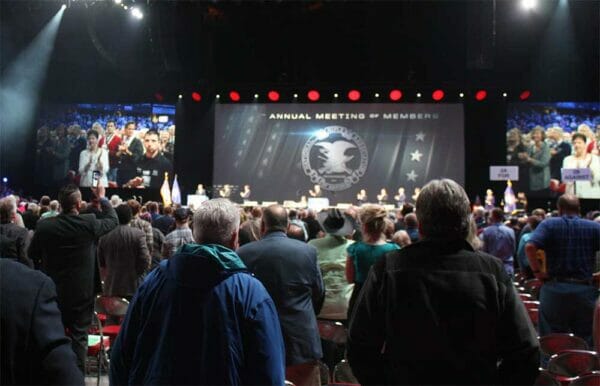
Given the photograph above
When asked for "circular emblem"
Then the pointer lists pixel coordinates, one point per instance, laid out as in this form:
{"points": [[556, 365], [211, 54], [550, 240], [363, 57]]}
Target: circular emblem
{"points": [[335, 158]]}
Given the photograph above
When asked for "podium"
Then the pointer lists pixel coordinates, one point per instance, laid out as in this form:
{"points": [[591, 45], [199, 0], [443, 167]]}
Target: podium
{"points": [[195, 200], [318, 203]]}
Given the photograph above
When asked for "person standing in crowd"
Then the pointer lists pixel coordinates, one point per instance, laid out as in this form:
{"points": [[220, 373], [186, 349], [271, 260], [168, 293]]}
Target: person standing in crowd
{"points": [[181, 235], [499, 240], [437, 312], [165, 222], [151, 167], [559, 149], [65, 244], [293, 215], [533, 221], [166, 145], [14, 240], [581, 159], [590, 138], [200, 317], [123, 256], [129, 152], [412, 227], [312, 225], [112, 143], [401, 238], [31, 216], [331, 255], [289, 270], [61, 149], [53, 212], [538, 160], [363, 254], [568, 295], [78, 143], [93, 163], [35, 350], [246, 193]]}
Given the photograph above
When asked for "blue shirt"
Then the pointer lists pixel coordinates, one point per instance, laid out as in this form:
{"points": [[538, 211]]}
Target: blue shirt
{"points": [[521, 256], [499, 240], [570, 243]]}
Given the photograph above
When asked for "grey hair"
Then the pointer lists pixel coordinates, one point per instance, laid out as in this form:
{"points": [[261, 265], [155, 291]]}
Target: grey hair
{"points": [[443, 210], [54, 205], [215, 221], [8, 208]]}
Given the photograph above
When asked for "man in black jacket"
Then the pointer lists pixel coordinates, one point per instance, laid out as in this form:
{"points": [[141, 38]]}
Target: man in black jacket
{"points": [[437, 312], [34, 348], [66, 246]]}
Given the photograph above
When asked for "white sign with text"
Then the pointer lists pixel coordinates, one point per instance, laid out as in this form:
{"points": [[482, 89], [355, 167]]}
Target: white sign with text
{"points": [[504, 173]]}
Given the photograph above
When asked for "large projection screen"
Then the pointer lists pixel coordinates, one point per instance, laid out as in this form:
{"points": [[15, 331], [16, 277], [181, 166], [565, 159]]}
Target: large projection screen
{"points": [[283, 150]]}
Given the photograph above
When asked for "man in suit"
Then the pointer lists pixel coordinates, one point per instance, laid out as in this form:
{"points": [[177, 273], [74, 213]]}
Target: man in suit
{"points": [[289, 270], [129, 153], [34, 348], [66, 246], [123, 256]]}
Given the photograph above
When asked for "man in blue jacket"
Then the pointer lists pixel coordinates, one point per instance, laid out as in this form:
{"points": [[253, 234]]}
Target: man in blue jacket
{"points": [[200, 317]]}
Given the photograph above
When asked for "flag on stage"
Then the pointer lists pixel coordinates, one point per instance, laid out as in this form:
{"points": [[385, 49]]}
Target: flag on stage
{"points": [[175, 192], [165, 192], [510, 201]]}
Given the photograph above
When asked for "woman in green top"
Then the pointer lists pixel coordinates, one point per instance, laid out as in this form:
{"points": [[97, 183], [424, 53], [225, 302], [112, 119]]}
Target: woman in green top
{"points": [[363, 254]]}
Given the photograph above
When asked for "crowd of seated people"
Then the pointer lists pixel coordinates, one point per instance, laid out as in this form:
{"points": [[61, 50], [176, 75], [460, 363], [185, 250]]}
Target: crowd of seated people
{"points": [[340, 264]]}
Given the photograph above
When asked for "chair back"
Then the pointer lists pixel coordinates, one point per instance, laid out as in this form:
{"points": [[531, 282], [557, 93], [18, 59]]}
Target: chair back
{"points": [[111, 305], [589, 379], [544, 378], [573, 363], [554, 343], [530, 304], [324, 373], [342, 373], [332, 331]]}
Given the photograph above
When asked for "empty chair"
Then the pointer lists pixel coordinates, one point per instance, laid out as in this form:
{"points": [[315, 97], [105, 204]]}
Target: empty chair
{"points": [[546, 379], [572, 363], [554, 343], [98, 347], [589, 379], [115, 309], [342, 373], [530, 304]]}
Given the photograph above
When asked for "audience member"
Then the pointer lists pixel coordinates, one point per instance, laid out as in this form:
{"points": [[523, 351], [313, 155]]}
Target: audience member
{"points": [[568, 295], [53, 212], [65, 245], [438, 312], [143, 225], [331, 255], [312, 225], [401, 238], [31, 216], [200, 318], [363, 254], [166, 222], [533, 221], [14, 240], [293, 214], [290, 272], [499, 240], [93, 163], [35, 350], [412, 227], [123, 256], [180, 236], [129, 152], [295, 232]]}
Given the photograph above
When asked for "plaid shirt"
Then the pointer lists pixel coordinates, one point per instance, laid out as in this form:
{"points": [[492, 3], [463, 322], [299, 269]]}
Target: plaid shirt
{"points": [[570, 243], [175, 239]]}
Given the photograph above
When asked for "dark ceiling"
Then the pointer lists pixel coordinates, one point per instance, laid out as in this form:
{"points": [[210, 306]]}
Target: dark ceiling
{"points": [[102, 52]]}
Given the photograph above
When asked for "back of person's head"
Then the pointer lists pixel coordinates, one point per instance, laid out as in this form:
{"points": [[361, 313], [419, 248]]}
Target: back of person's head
{"points": [[389, 228], [181, 215], [539, 212], [69, 198], [401, 238], [115, 200], [410, 220], [406, 209], [54, 205], [217, 221], [123, 213], [168, 211], [32, 206], [534, 221], [295, 232], [152, 207], [293, 214], [497, 215], [568, 204], [443, 210], [256, 212], [372, 217], [135, 206], [44, 201], [8, 209], [275, 219]]}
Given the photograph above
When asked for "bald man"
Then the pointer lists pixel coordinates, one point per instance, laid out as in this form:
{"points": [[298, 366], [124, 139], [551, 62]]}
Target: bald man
{"points": [[569, 293], [288, 269]]}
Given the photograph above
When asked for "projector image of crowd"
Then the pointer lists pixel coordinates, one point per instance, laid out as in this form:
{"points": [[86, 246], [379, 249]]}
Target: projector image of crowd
{"points": [[117, 153], [439, 292]]}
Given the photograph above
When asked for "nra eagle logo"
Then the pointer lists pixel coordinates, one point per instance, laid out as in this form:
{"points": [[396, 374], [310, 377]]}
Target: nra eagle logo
{"points": [[335, 158]]}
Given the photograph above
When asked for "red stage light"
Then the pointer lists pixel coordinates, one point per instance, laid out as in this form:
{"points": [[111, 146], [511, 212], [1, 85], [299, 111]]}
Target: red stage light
{"points": [[525, 95], [234, 96], [196, 96], [159, 97], [395, 95], [354, 95], [437, 95], [481, 95], [313, 95], [273, 96]]}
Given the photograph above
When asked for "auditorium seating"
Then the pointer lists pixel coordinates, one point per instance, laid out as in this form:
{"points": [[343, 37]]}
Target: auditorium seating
{"points": [[589, 379], [567, 365], [113, 310], [554, 343]]}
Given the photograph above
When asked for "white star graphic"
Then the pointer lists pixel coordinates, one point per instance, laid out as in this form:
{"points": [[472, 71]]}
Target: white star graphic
{"points": [[412, 176], [416, 156], [420, 136]]}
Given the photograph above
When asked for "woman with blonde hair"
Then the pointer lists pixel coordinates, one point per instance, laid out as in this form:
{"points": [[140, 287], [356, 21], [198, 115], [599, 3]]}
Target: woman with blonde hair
{"points": [[363, 254]]}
